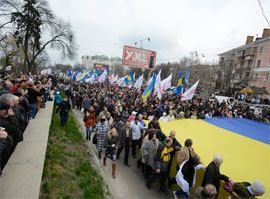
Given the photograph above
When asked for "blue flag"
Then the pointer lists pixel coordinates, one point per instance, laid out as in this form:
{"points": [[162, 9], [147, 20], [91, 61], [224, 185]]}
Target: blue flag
{"points": [[179, 84]]}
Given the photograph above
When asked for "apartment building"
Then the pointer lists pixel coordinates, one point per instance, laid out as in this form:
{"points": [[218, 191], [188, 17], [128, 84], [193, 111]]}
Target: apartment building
{"points": [[247, 65]]}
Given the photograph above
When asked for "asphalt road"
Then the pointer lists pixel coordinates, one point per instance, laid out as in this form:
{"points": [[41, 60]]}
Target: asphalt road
{"points": [[129, 182]]}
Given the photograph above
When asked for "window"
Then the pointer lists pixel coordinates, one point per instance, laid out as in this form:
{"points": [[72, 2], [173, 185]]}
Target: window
{"points": [[261, 50], [241, 64], [259, 63], [255, 76], [266, 76], [249, 64], [268, 63]]}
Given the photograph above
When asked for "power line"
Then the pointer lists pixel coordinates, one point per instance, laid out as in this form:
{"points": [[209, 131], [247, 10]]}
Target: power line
{"points": [[263, 13]]}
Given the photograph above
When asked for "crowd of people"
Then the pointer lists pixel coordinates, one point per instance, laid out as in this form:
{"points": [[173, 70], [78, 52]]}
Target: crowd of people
{"points": [[116, 116], [20, 99]]}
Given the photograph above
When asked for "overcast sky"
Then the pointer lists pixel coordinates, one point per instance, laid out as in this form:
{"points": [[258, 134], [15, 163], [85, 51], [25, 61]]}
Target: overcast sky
{"points": [[175, 27]]}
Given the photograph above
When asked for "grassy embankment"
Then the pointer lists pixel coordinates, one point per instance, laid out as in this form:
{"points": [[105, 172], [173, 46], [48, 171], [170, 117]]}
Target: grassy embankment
{"points": [[67, 169]]}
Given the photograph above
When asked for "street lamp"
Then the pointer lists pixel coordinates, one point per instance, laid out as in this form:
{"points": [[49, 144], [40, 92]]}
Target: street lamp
{"points": [[141, 41]]}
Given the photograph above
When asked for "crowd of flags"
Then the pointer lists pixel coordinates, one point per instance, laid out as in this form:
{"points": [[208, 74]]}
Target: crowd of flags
{"points": [[154, 85]]}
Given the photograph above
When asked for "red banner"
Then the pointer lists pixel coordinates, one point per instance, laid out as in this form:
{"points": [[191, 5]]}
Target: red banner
{"points": [[138, 57]]}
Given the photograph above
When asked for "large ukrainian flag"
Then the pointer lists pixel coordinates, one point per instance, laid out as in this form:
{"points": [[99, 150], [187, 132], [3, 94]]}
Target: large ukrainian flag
{"points": [[149, 89], [243, 144], [179, 84]]}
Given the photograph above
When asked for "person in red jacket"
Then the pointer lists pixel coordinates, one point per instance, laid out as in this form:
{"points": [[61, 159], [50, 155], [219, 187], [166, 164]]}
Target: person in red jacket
{"points": [[89, 119]]}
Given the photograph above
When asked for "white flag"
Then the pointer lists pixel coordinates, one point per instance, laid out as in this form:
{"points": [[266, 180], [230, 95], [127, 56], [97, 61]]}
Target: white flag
{"points": [[102, 77], [166, 83], [79, 77], [158, 86], [8, 68], [188, 95], [114, 79], [120, 81], [149, 81], [138, 83]]}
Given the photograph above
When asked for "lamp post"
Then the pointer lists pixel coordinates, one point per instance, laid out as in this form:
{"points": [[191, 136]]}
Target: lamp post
{"points": [[141, 41]]}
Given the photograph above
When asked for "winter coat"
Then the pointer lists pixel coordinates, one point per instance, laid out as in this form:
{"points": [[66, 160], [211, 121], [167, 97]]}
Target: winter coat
{"points": [[57, 99], [86, 103], [90, 121], [33, 95], [11, 126], [64, 108], [183, 154], [111, 152], [101, 131], [122, 136], [181, 178], [163, 157], [213, 176], [148, 150]]}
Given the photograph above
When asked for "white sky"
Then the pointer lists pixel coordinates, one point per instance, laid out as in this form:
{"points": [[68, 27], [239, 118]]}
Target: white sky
{"points": [[175, 27]]}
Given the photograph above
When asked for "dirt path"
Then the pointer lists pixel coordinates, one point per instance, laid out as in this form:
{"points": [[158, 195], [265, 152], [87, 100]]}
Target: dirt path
{"points": [[129, 182]]}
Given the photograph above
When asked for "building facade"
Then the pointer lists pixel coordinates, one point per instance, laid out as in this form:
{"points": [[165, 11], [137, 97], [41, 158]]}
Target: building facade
{"points": [[247, 65]]}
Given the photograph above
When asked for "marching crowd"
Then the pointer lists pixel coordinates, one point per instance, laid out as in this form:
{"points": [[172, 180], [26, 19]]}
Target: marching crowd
{"points": [[117, 115], [114, 118]]}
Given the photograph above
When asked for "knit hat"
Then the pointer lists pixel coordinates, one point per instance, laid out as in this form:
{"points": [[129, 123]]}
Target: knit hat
{"points": [[4, 106], [257, 187]]}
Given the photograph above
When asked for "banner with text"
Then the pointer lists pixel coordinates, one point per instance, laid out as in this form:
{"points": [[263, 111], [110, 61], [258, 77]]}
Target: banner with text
{"points": [[137, 57]]}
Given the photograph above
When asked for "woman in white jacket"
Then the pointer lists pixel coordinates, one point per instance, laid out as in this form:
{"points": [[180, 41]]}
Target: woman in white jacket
{"points": [[186, 176]]}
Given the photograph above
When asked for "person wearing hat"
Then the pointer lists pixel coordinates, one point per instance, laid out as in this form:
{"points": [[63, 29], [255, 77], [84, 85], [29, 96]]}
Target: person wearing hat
{"points": [[101, 130], [132, 116], [164, 117], [64, 108], [247, 190]]}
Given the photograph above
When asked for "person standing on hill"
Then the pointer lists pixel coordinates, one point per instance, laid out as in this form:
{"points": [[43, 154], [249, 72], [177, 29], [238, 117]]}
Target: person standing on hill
{"points": [[64, 108]]}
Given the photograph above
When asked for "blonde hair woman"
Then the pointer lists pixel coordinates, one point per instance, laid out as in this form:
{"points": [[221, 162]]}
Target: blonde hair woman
{"points": [[112, 144]]}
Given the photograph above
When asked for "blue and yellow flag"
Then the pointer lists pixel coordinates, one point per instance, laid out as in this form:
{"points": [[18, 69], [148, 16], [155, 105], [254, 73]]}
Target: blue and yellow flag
{"points": [[129, 80], [187, 77], [179, 84], [149, 89], [1, 66]]}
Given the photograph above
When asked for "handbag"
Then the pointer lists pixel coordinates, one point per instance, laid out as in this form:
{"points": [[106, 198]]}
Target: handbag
{"points": [[95, 139], [85, 118]]}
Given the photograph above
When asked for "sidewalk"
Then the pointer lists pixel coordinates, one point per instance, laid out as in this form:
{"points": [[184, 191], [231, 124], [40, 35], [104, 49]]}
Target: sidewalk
{"points": [[22, 175]]}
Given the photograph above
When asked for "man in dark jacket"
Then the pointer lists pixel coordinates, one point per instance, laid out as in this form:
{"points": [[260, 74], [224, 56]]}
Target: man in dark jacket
{"points": [[125, 137], [212, 174], [9, 122], [33, 92], [64, 108]]}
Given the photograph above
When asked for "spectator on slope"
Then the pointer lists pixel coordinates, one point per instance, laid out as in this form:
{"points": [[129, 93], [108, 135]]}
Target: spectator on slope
{"points": [[90, 121], [64, 108], [101, 130], [212, 174], [33, 93], [125, 139]]}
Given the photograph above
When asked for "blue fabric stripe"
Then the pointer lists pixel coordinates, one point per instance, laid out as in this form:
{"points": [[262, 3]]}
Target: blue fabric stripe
{"points": [[246, 127]]}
